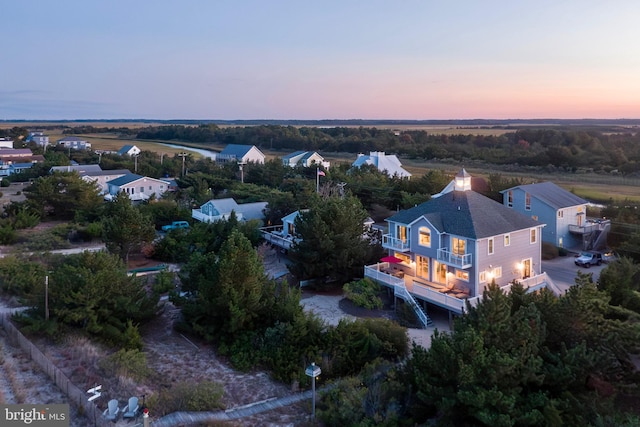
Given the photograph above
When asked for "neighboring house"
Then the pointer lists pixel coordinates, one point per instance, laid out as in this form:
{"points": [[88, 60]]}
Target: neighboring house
{"points": [[220, 209], [39, 138], [129, 150], [14, 160], [388, 164], [138, 187], [236, 153], [564, 214], [283, 235], [6, 143], [448, 250], [305, 159], [74, 142], [81, 169], [93, 173], [101, 178]]}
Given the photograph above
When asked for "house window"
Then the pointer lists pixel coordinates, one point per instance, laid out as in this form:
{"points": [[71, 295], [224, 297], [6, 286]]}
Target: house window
{"points": [[482, 277], [425, 237], [458, 246], [462, 275], [527, 201], [510, 198], [142, 189], [402, 233], [422, 267], [534, 217], [290, 228], [149, 188], [493, 273], [507, 239], [560, 214], [490, 246], [534, 236]]}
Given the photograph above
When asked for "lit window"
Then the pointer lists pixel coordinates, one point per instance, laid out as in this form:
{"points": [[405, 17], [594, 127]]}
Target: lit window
{"points": [[490, 245], [422, 267], [483, 276], [462, 275], [534, 235], [425, 237], [458, 246], [507, 239], [527, 201], [402, 233]]}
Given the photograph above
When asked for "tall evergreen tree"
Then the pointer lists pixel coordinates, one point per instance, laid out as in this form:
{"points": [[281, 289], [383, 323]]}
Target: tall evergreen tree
{"points": [[330, 243]]}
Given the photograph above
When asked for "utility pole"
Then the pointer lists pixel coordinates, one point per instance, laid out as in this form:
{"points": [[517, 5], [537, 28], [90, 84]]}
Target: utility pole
{"points": [[240, 164], [135, 162], [46, 297], [183, 155]]}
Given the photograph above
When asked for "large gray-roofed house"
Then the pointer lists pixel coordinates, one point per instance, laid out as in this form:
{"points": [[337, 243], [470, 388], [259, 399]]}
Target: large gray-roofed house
{"points": [[564, 214], [446, 251]]}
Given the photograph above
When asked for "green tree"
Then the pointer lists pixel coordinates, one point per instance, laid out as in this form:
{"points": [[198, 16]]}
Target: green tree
{"points": [[92, 291], [330, 243], [125, 228], [64, 196]]}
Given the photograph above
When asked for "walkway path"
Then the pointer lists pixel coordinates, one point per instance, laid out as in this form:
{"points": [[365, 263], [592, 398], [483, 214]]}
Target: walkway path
{"points": [[189, 418]]}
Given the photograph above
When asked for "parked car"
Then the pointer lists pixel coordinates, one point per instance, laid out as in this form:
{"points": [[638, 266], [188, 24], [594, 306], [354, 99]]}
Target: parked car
{"points": [[587, 259], [174, 225]]}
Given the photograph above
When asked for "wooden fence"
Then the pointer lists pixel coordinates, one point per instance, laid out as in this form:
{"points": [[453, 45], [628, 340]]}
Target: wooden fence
{"points": [[76, 396]]}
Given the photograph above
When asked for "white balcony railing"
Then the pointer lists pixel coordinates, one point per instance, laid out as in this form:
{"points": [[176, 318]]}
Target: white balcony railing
{"points": [[460, 261], [275, 236], [391, 242]]}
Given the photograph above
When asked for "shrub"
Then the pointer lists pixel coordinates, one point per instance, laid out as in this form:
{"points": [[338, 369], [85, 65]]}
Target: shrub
{"points": [[187, 396], [549, 251], [8, 235], [128, 363], [364, 293], [5, 182]]}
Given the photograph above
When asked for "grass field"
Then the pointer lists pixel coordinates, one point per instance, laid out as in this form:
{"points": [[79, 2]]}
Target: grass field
{"points": [[589, 186]]}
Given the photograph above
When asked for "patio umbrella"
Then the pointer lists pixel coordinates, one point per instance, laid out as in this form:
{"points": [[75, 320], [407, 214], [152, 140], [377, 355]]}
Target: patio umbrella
{"points": [[392, 259]]}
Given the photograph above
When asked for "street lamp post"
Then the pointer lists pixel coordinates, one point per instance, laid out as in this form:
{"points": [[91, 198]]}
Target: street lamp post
{"points": [[313, 371]]}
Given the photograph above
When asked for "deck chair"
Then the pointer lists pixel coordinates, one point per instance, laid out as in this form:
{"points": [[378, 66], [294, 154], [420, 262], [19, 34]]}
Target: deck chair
{"points": [[111, 413], [131, 410]]}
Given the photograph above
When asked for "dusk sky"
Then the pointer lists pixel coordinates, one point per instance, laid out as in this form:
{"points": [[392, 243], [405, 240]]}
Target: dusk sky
{"points": [[240, 59]]}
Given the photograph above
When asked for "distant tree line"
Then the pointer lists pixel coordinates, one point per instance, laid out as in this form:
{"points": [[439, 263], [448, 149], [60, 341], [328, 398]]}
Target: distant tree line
{"points": [[566, 149]]}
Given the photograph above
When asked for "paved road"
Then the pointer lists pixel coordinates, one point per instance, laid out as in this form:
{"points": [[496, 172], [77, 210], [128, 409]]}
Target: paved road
{"points": [[563, 271]]}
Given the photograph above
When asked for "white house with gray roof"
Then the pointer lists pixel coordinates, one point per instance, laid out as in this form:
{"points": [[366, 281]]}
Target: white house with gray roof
{"points": [[74, 142], [137, 187], [564, 214], [220, 209], [450, 248], [387, 164], [129, 150], [305, 159], [237, 153]]}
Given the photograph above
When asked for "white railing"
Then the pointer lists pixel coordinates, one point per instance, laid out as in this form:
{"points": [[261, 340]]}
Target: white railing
{"points": [[402, 292], [399, 289], [391, 242], [273, 235], [538, 282], [443, 300], [461, 261]]}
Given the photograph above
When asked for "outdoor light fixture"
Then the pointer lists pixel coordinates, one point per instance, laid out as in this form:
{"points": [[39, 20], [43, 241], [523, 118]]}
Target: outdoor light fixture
{"points": [[313, 371]]}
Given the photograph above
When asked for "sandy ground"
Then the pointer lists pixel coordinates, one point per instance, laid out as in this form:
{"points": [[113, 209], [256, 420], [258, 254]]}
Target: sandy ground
{"points": [[174, 358]]}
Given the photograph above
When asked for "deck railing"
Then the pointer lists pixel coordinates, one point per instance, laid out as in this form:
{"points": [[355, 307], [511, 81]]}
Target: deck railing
{"points": [[448, 257], [391, 242]]}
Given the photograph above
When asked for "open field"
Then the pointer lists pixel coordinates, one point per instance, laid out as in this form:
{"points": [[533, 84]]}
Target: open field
{"points": [[596, 187]]}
